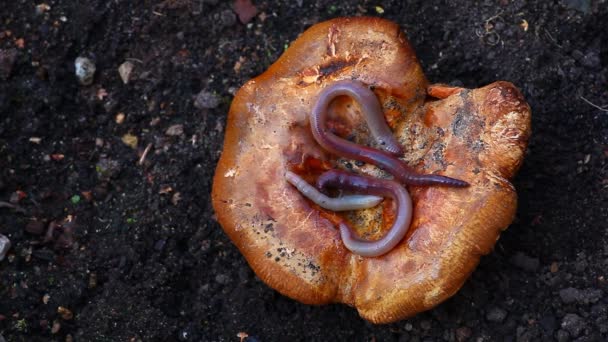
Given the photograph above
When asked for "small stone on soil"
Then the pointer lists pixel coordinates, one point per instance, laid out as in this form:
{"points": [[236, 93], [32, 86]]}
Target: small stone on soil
{"points": [[206, 100], [175, 130], [125, 70], [85, 70], [571, 295], [5, 245], [496, 315], [574, 324], [222, 279]]}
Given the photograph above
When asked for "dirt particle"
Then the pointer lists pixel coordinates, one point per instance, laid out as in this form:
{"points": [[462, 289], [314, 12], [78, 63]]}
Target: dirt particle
{"points": [[120, 118], [222, 279], [129, 140], [7, 60], [175, 130], [92, 280]]}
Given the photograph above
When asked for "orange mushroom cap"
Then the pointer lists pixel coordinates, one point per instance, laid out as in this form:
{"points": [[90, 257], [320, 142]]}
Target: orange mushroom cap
{"points": [[477, 135]]}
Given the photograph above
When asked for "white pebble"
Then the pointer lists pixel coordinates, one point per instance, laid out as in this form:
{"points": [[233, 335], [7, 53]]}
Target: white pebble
{"points": [[85, 70], [5, 245], [125, 70]]}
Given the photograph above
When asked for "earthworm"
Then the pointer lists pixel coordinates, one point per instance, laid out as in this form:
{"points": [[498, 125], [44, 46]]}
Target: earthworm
{"points": [[344, 148], [349, 202], [379, 187], [370, 107]]}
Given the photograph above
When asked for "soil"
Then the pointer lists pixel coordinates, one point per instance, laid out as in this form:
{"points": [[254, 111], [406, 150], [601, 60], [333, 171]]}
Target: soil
{"points": [[112, 243]]}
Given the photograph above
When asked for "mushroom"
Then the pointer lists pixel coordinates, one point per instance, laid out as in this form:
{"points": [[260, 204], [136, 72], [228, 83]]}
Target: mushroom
{"points": [[452, 136]]}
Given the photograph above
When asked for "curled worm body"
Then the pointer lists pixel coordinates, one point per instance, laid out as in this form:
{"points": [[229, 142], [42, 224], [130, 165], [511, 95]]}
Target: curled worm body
{"points": [[349, 202], [386, 160], [379, 187], [370, 108]]}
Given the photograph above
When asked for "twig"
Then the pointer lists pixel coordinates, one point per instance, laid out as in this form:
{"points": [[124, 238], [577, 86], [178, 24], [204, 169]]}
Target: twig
{"points": [[143, 155], [602, 108], [551, 38], [131, 59]]}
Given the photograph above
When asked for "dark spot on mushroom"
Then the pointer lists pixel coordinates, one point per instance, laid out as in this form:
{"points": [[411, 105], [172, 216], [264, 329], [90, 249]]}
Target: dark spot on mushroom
{"points": [[268, 228], [335, 65]]}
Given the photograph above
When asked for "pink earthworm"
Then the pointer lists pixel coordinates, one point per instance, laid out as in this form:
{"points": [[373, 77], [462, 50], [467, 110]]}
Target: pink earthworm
{"points": [[379, 187], [379, 129], [348, 202]]}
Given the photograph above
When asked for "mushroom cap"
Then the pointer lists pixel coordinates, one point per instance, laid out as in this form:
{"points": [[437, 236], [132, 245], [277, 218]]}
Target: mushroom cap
{"points": [[477, 135]]}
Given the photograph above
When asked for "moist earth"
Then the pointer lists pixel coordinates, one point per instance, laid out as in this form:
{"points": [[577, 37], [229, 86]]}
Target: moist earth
{"points": [[105, 188]]}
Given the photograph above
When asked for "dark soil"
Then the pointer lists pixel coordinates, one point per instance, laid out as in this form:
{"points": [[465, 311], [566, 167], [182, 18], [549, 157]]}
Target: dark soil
{"points": [[143, 258]]}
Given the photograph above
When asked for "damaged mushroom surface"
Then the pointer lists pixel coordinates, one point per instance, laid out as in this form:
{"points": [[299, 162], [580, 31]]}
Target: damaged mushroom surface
{"points": [[346, 177]]}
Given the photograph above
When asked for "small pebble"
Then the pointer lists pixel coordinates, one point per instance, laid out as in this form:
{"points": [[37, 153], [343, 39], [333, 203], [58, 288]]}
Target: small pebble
{"points": [[125, 70], [41, 8], [496, 315], [65, 313], [574, 324], [175, 130], [107, 168], [93, 280], [5, 245], [588, 296], [56, 327], [222, 279], [85, 70], [130, 140], [206, 100], [569, 295], [120, 118]]}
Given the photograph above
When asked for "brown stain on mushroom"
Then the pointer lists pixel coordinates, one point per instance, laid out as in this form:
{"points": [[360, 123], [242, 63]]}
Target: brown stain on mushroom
{"points": [[477, 135]]}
